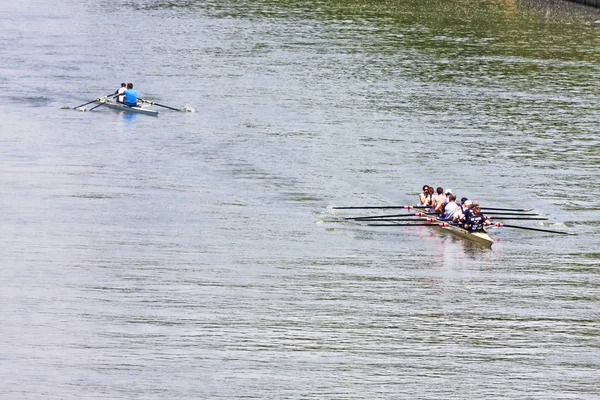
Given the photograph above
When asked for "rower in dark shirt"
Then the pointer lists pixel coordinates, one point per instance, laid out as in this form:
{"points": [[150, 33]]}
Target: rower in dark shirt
{"points": [[462, 211], [475, 220]]}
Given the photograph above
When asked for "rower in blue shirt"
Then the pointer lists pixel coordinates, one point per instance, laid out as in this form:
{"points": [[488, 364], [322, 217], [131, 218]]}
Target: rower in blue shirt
{"points": [[130, 96]]}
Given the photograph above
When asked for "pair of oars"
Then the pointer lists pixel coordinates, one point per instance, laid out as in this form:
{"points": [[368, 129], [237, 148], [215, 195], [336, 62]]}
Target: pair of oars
{"points": [[93, 101], [103, 102]]}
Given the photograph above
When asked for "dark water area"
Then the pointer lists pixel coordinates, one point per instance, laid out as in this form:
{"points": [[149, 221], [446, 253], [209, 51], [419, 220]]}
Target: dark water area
{"points": [[198, 254]]}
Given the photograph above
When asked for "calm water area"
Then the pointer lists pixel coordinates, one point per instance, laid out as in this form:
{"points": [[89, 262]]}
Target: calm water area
{"points": [[197, 255]]}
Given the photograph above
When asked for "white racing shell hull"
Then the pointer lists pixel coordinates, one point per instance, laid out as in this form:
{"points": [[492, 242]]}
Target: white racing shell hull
{"points": [[139, 110], [481, 238]]}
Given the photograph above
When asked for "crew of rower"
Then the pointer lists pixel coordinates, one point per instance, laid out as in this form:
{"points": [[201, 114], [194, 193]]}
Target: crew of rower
{"points": [[127, 95], [466, 214]]}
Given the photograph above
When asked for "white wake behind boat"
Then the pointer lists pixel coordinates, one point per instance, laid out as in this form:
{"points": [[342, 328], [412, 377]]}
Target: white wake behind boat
{"points": [[123, 107]]}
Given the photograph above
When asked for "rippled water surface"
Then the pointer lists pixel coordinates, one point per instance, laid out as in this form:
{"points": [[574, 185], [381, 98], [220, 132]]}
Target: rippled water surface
{"points": [[198, 254]]}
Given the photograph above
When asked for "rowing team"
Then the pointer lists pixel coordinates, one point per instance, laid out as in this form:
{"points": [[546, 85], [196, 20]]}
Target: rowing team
{"points": [[466, 213], [127, 95]]}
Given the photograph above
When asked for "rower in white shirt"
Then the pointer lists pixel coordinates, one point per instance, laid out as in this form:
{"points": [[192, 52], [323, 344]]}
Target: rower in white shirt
{"points": [[119, 92], [450, 208]]}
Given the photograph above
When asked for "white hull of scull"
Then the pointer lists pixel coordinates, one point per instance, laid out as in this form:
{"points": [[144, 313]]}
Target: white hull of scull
{"points": [[139, 110]]}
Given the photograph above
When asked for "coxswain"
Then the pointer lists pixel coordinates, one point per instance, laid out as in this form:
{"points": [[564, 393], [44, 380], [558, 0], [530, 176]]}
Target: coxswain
{"points": [[475, 221], [130, 96], [120, 91]]}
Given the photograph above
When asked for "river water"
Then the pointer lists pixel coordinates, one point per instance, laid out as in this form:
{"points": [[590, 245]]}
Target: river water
{"points": [[198, 255]]}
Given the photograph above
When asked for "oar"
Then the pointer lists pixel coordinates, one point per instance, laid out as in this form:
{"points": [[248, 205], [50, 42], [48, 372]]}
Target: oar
{"points": [[398, 219], [85, 104], [520, 210], [370, 207], [367, 219], [419, 224], [498, 214], [90, 102], [521, 218], [508, 209], [388, 216], [507, 213], [160, 105], [532, 229], [101, 104]]}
